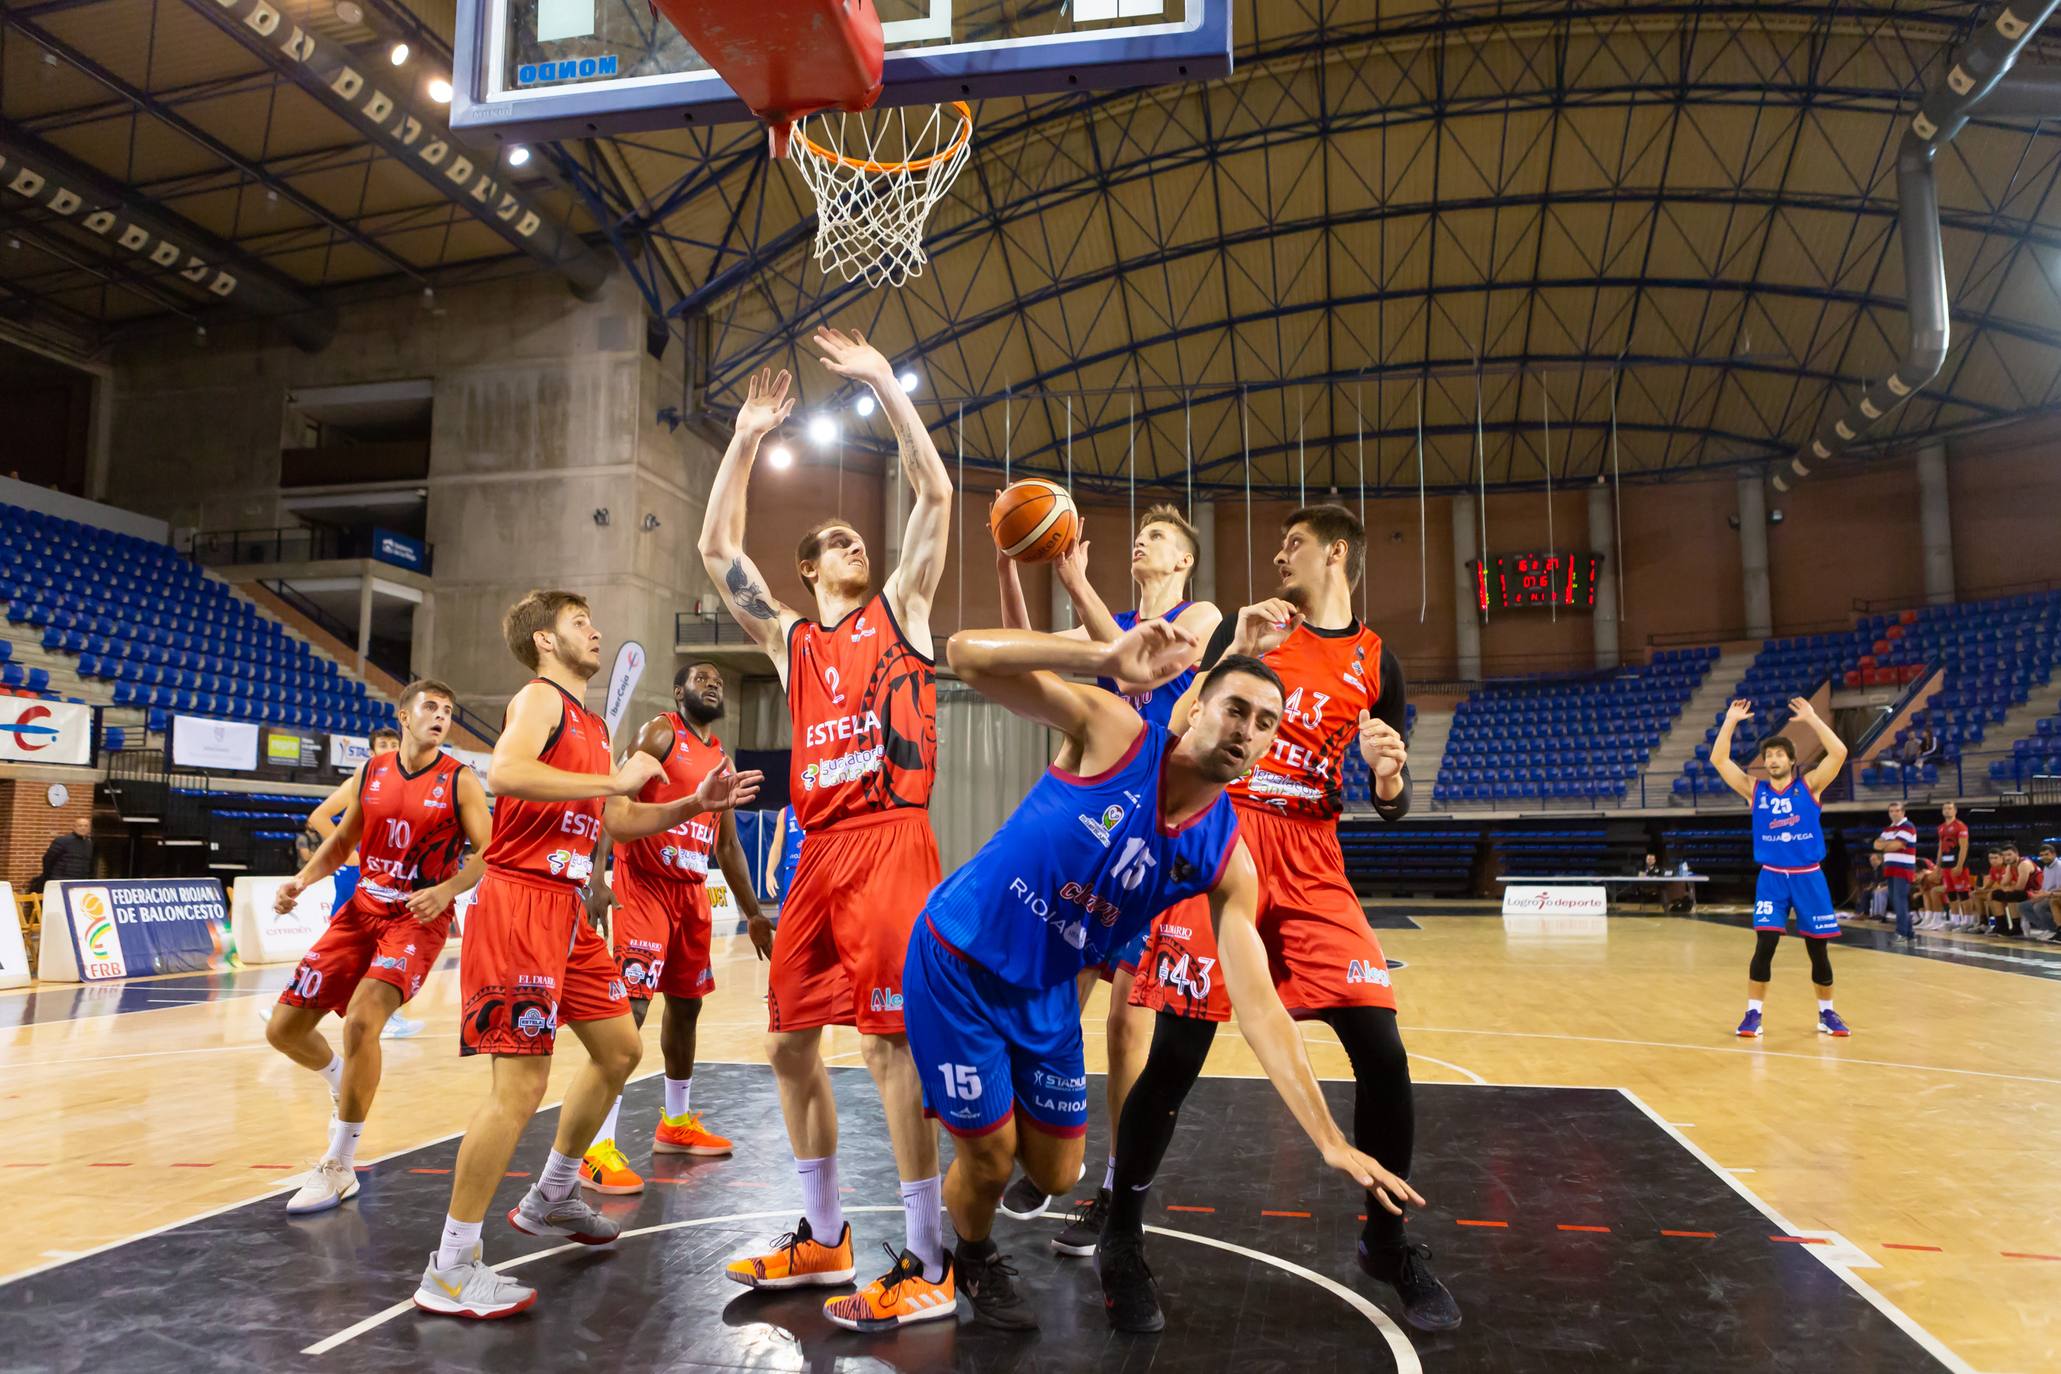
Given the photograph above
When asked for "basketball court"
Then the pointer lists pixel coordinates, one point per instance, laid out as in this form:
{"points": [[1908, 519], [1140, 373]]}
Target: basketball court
{"points": [[1636, 287]]}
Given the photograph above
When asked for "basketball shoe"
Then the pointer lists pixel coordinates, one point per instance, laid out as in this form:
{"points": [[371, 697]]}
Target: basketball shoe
{"points": [[1024, 1200], [1427, 1304], [1083, 1229], [1749, 1025], [570, 1217], [1830, 1024], [798, 1260], [1129, 1294], [399, 1027], [685, 1135], [472, 1289], [897, 1298], [329, 1183], [604, 1169]]}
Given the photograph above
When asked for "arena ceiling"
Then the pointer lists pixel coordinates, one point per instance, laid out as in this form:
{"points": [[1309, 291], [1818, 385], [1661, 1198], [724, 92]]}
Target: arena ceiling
{"points": [[1514, 218]]}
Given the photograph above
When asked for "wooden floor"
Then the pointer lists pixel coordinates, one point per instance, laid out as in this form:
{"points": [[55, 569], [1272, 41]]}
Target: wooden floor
{"points": [[1929, 1141]]}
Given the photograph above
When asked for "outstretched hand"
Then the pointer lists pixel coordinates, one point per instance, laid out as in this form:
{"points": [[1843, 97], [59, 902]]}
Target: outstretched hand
{"points": [[1738, 711], [1389, 1190], [767, 402], [851, 357], [1799, 709], [725, 789], [1150, 653]]}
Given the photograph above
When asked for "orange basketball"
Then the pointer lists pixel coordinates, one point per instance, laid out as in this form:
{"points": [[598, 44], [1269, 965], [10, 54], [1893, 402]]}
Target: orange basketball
{"points": [[1034, 521]]}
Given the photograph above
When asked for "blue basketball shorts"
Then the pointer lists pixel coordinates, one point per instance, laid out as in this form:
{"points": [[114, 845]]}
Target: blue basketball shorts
{"points": [[1779, 890], [986, 1049]]}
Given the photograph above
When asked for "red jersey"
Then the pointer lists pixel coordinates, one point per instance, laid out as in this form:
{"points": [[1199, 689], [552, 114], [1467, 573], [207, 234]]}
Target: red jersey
{"points": [[682, 853], [1330, 678], [555, 840], [1951, 833], [863, 705], [412, 838]]}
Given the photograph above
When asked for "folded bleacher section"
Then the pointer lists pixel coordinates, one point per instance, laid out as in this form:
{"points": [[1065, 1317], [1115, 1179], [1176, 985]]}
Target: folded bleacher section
{"points": [[1410, 860], [170, 639], [1579, 739]]}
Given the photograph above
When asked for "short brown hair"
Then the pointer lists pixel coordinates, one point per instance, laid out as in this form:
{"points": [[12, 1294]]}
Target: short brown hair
{"points": [[1778, 742], [1171, 515], [811, 547], [537, 611], [1333, 524], [383, 732], [426, 687]]}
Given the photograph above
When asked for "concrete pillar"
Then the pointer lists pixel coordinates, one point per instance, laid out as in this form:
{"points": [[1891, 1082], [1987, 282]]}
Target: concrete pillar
{"points": [[1603, 540], [894, 514], [1753, 557], [364, 620], [1935, 524], [422, 646], [1466, 603], [1203, 585]]}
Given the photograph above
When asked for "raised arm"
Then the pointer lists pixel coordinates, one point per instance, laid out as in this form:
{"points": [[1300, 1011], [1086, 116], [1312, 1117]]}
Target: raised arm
{"points": [[1268, 1029], [723, 788], [1026, 671], [1827, 771], [1258, 628], [738, 581], [518, 768], [1015, 613], [912, 586], [1721, 750], [1071, 568]]}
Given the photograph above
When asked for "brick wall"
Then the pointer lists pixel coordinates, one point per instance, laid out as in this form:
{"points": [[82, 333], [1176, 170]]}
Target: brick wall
{"points": [[28, 823]]}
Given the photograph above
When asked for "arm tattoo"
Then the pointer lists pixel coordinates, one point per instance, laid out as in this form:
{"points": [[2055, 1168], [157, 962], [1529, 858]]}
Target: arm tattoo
{"points": [[748, 595]]}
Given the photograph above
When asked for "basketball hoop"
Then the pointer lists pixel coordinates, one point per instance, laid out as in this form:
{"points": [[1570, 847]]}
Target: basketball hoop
{"points": [[876, 177]]}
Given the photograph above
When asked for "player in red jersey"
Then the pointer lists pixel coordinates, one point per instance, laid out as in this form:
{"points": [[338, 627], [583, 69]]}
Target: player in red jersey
{"points": [[410, 812], [1956, 883], [862, 697], [530, 959], [1345, 689], [662, 921]]}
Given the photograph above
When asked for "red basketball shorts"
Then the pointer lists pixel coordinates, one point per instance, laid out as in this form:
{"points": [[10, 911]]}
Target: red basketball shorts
{"points": [[845, 923], [365, 940], [1320, 949], [662, 938], [1178, 970], [1959, 883], [529, 960]]}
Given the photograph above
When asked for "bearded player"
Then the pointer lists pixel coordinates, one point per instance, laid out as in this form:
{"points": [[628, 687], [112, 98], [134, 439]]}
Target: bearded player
{"points": [[662, 921], [410, 813], [1163, 554], [1130, 820], [862, 699], [1345, 689], [530, 959]]}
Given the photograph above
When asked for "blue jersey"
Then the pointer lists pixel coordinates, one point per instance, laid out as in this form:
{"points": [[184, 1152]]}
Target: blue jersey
{"points": [[1787, 830], [790, 852], [1157, 703], [1079, 870]]}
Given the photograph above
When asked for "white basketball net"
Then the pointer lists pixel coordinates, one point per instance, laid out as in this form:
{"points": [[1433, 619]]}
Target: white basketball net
{"points": [[876, 177]]}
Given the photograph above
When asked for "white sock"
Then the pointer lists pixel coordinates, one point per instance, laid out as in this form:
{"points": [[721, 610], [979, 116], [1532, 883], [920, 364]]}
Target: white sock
{"points": [[1824, 1004], [333, 1075], [676, 1095], [1753, 1004], [561, 1175], [922, 1212], [1109, 1175], [820, 1201], [459, 1239], [607, 1131], [343, 1141]]}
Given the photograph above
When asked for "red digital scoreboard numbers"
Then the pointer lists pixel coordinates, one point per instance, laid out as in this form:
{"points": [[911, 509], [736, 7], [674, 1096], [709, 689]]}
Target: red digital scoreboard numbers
{"points": [[1535, 581]]}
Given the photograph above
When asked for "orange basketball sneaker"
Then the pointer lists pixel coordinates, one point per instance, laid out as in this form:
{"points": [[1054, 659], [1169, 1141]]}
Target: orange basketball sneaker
{"points": [[900, 1296], [685, 1135], [798, 1260], [604, 1169]]}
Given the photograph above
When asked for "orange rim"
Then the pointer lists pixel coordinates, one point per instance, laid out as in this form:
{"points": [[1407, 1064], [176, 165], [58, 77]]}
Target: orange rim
{"points": [[965, 112]]}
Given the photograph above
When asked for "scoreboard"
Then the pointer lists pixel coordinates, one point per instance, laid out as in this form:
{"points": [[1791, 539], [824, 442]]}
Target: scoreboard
{"points": [[1535, 581]]}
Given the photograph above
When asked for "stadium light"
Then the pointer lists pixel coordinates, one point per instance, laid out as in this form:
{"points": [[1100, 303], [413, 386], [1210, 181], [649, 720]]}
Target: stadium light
{"points": [[864, 405], [780, 456], [518, 155], [822, 431], [440, 90], [399, 56], [909, 381]]}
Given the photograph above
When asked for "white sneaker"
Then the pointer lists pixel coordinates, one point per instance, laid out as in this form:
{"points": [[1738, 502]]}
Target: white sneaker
{"points": [[330, 1183], [472, 1289], [399, 1027]]}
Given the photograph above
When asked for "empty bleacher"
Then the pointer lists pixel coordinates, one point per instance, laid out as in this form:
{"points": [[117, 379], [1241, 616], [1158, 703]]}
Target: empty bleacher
{"points": [[1409, 859]]}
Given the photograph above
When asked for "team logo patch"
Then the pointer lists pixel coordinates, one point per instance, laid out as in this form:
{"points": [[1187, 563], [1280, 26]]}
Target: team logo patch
{"points": [[1365, 971], [534, 1021], [884, 999], [1112, 817], [809, 778], [558, 860]]}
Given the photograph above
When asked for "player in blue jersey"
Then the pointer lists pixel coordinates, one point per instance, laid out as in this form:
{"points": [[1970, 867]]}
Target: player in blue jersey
{"points": [[1789, 846], [1163, 555], [1128, 821]]}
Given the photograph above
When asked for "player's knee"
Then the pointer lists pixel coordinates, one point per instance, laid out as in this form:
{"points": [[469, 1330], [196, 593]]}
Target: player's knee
{"points": [[882, 1052], [618, 1059], [282, 1030], [1056, 1174], [361, 1030], [792, 1056]]}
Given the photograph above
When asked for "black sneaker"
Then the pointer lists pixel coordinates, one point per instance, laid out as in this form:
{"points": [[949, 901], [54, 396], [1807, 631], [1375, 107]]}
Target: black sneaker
{"points": [[987, 1280], [1427, 1304], [1024, 1200], [1129, 1294], [1083, 1230]]}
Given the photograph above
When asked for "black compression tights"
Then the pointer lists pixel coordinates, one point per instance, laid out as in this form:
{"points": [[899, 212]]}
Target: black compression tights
{"points": [[1384, 1114], [1763, 965]]}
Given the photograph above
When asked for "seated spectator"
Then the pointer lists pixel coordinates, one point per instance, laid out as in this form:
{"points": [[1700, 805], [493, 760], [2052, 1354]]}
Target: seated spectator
{"points": [[2020, 878], [1642, 892], [1871, 891], [2043, 904], [1927, 747]]}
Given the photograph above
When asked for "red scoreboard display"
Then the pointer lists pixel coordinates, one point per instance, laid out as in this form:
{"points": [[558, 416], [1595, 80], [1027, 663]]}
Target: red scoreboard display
{"points": [[1535, 581]]}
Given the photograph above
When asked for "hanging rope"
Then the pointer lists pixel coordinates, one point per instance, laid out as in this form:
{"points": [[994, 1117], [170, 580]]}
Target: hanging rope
{"points": [[1617, 511], [1552, 548], [1188, 449], [1481, 496], [1069, 446], [1423, 551], [1302, 484], [1006, 418], [1131, 449], [1245, 430], [1360, 446], [959, 494]]}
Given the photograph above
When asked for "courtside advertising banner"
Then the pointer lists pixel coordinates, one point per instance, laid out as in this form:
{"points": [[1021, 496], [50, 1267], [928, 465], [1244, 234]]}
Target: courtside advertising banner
{"points": [[346, 752], [45, 731], [622, 680], [14, 957], [263, 936], [198, 742], [131, 927]]}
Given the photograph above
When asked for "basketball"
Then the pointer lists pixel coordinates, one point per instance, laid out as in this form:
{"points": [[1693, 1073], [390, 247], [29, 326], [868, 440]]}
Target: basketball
{"points": [[1034, 521]]}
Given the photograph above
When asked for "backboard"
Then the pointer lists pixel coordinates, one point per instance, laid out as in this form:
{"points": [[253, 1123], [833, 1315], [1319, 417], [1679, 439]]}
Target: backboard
{"points": [[567, 68]]}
